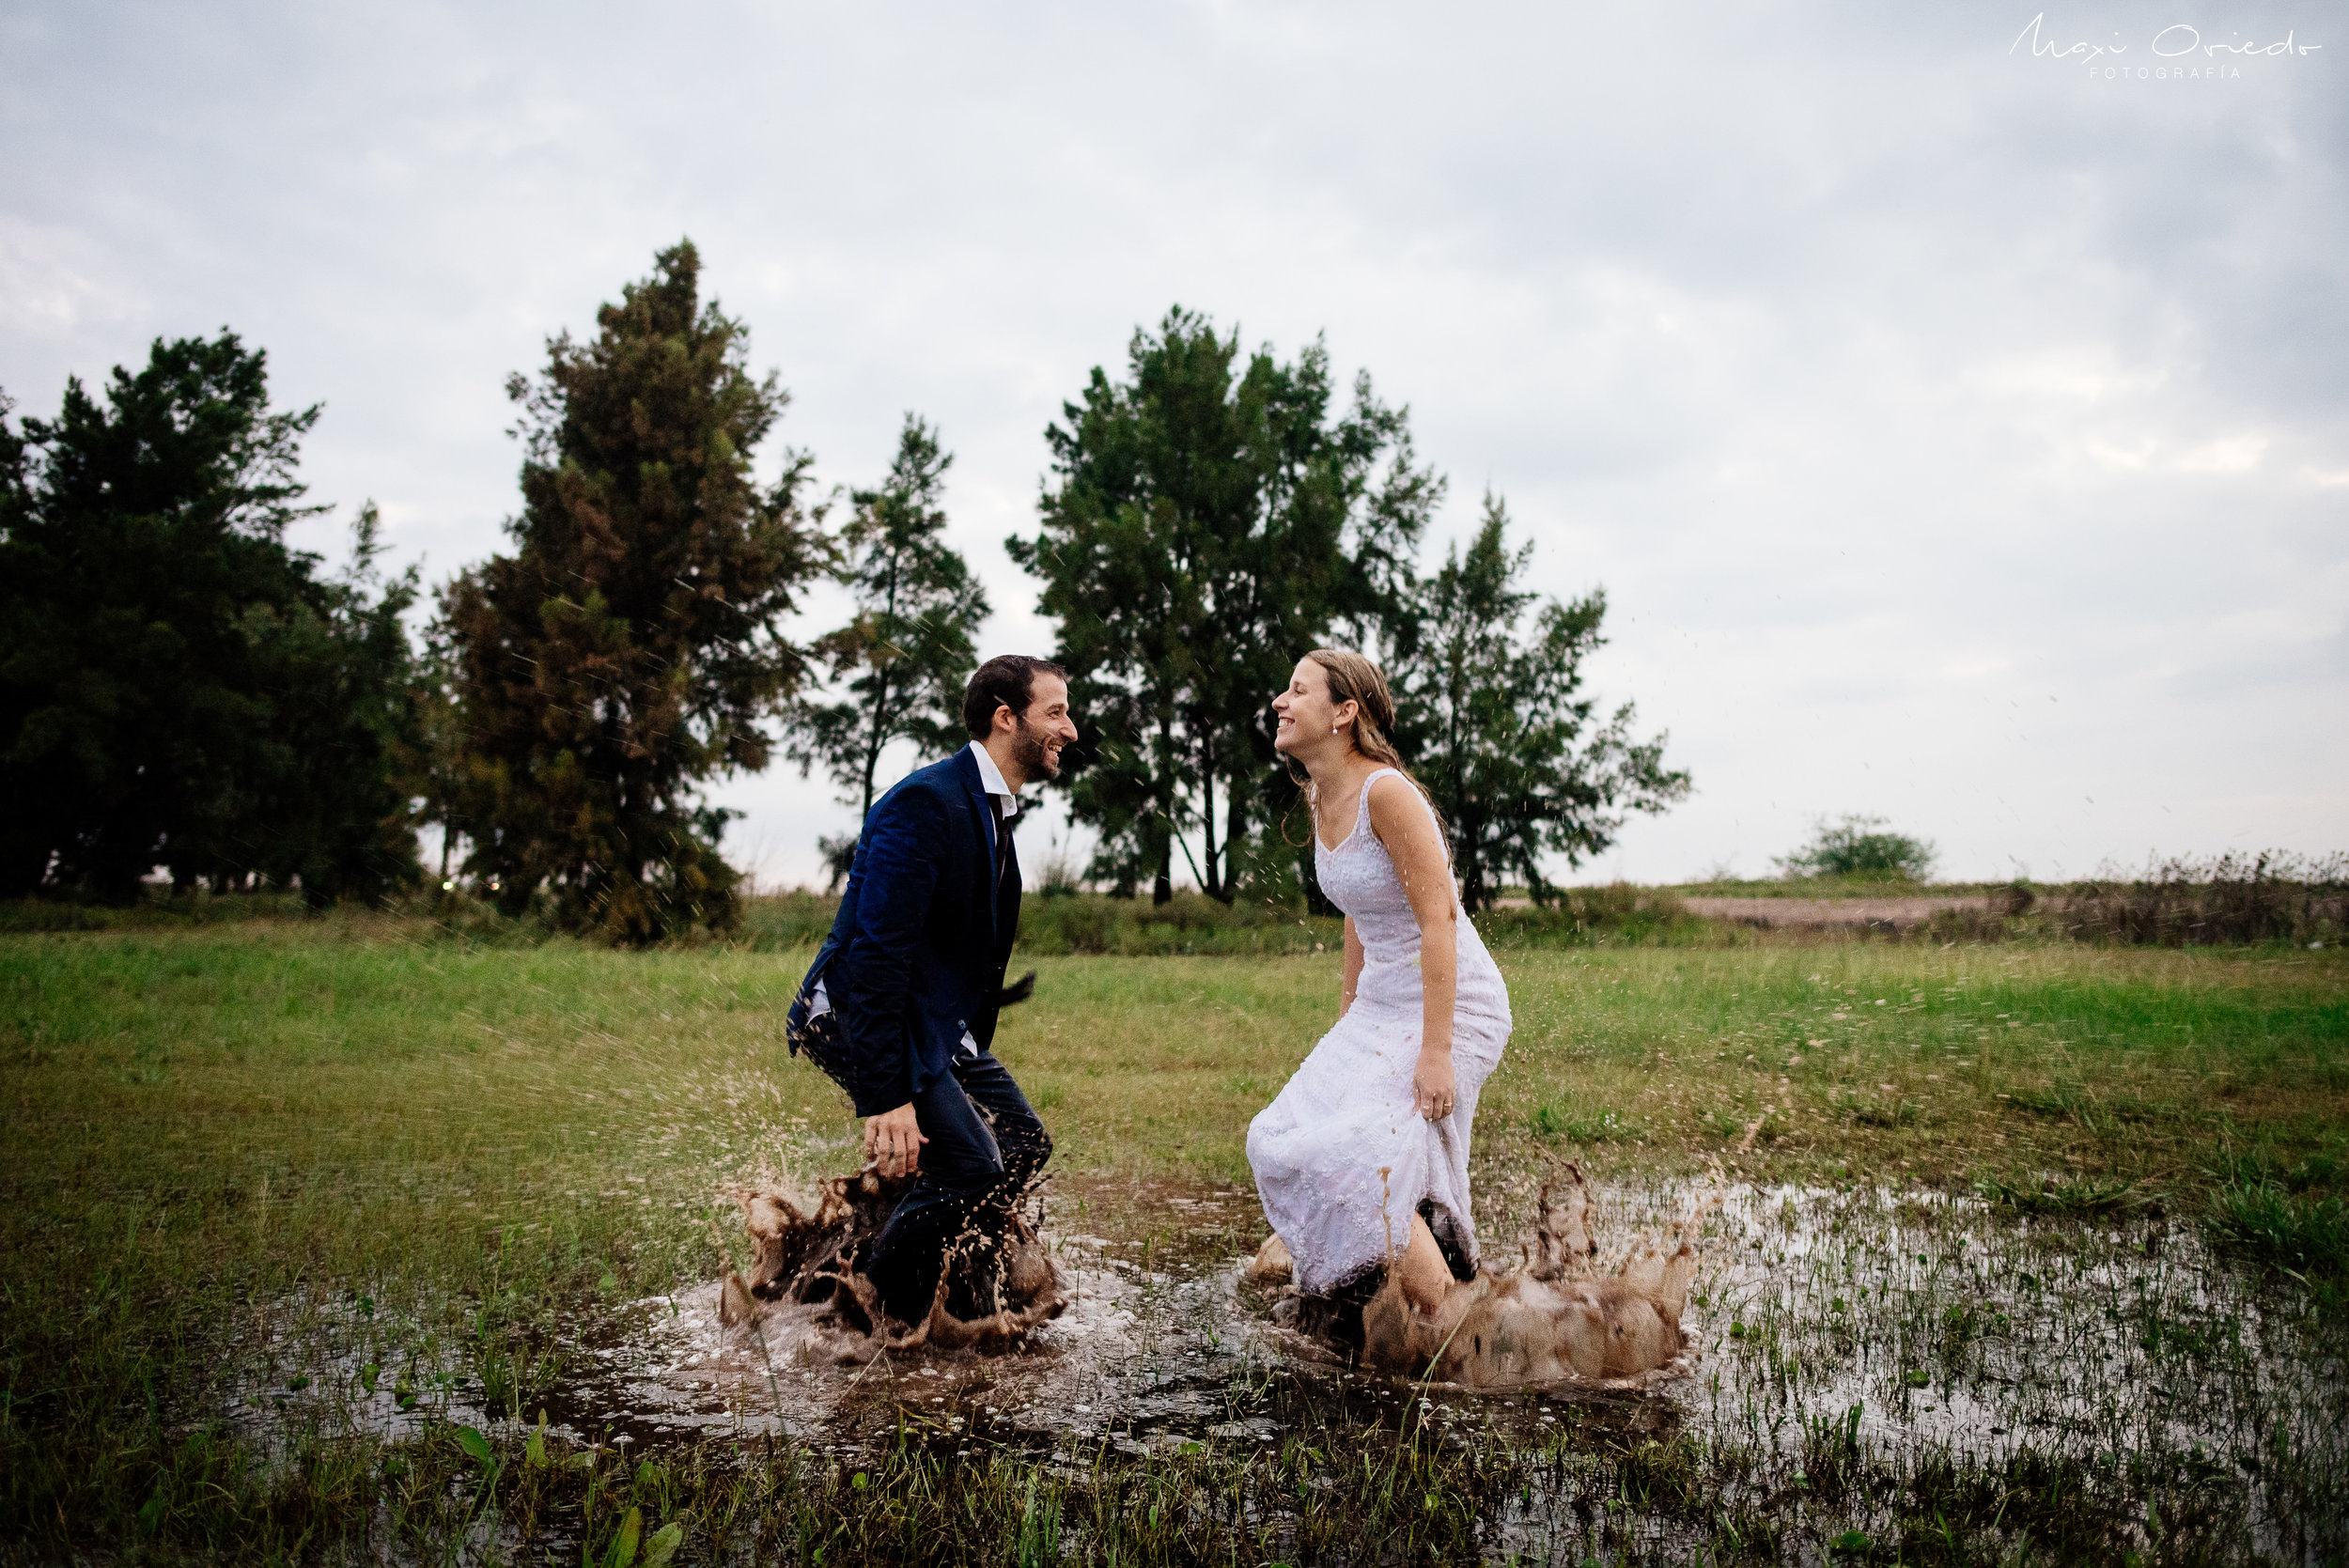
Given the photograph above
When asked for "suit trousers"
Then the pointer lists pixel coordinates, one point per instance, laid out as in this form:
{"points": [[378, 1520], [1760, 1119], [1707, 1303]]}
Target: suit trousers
{"points": [[984, 1148]]}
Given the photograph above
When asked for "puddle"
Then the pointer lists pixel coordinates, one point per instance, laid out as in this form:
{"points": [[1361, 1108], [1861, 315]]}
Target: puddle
{"points": [[1907, 1323], [1154, 1332]]}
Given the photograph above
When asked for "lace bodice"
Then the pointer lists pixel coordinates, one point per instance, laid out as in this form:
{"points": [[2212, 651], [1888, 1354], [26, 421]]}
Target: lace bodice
{"points": [[1358, 877]]}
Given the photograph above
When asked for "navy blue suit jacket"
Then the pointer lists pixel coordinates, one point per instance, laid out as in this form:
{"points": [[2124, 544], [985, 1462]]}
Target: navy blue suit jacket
{"points": [[917, 952]]}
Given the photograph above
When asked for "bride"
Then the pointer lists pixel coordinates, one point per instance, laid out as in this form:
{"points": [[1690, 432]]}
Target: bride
{"points": [[1365, 1153]]}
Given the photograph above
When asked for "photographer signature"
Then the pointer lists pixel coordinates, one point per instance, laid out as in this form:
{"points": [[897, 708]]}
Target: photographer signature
{"points": [[2171, 42]]}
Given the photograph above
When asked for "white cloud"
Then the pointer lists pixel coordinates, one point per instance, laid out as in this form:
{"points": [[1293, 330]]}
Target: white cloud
{"points": [[56, 283], [2228, 454]]}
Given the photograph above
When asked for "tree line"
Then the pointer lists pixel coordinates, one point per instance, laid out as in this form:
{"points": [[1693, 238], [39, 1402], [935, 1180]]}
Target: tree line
{"points": [[180, 687]]}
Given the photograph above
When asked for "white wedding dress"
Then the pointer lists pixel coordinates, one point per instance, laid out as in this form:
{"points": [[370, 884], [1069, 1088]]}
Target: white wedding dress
{"points": [[1342, 1156]]}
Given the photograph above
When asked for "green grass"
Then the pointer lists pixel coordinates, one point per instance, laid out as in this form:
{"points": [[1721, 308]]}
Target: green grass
{"points": [[2306, 1235], [224, 1132], [1193, 925], [159, 912], [2070, 1196], [1551, 1119], [1052, 924]]}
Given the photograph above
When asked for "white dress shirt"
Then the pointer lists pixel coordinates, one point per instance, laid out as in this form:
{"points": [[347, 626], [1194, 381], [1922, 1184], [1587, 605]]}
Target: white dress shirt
{"points": [[991, 779]]}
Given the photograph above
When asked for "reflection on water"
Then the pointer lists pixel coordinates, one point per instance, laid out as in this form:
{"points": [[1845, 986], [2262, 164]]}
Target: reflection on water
{"points": [[1823, 1321]]}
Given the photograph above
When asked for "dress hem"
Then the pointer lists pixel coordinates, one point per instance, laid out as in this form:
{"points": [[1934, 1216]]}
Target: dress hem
{"points": [[1452, 1240]]}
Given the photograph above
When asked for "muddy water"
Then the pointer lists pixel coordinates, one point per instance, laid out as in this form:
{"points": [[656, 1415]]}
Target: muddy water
{"points": [[1156, 1335], [1912, 1323]]}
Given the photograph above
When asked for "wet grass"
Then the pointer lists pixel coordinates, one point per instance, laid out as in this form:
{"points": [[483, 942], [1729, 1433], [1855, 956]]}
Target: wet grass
{"points": [[1414, 1495], [2071, 1196], [2290, 1231], [231, 1136]]}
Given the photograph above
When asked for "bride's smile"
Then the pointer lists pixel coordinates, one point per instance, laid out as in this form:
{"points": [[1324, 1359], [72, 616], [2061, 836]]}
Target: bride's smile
{"points": [[1304, 713]]}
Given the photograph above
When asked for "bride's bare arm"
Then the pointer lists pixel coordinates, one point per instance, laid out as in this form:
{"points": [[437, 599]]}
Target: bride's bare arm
{"points": [[1407, 829], [1353, 967]]}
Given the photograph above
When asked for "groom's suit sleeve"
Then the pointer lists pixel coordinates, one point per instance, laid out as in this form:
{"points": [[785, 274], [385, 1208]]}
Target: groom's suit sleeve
{"points": [[904, 844]]}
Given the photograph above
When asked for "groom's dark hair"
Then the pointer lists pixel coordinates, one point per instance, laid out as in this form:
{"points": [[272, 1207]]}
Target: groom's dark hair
{"points": [[1006, 680]]}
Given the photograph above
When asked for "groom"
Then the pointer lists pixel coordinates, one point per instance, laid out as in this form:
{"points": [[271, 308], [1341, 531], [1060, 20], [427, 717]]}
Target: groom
{"points": [[900, 1003]]}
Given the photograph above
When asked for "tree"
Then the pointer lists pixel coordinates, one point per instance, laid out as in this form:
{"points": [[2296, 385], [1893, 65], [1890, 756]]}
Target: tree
{"points": [[1492, 722], [1208, 520], [338, 815], [1860, 847], [431, 761], [908, 651], [630, 649], [177, 685]]}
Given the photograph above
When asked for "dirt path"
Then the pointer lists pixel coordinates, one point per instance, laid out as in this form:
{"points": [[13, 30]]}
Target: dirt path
{"points": [[1828, 911]]}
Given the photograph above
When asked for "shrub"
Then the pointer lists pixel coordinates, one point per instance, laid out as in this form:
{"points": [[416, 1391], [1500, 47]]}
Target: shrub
{"points": [[1061, 922], [1860, 847], [156, 907], [1618, 914], [2274, 897], [1189, 922]]}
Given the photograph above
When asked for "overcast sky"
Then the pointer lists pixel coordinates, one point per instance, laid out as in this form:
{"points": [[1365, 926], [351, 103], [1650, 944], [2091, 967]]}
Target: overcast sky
{"points": [[1958, 421]]}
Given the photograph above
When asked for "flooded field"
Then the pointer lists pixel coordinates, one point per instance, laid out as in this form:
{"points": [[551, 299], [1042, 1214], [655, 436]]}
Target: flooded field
{"points": [[305, 1228], [1849, 1346]]}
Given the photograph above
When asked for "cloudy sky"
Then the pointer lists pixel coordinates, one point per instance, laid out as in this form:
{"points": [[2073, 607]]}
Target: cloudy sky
{"points": [[1954, 416]]}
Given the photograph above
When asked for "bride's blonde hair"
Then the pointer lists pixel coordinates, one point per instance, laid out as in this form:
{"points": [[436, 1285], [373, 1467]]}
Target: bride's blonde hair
{"points": [[1355, 679]]}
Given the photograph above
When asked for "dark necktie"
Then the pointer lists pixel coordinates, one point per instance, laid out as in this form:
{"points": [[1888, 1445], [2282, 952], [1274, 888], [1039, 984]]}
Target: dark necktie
{"points": [[1003, 838]]}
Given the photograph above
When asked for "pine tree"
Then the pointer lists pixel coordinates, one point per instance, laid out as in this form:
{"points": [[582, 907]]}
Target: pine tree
{"points": [[430, 762], [901, 663], [1209, 519], [178, 686], [629, 650], [332, 807]]}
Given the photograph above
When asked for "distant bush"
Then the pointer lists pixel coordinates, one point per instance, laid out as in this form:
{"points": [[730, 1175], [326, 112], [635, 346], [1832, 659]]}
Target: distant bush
{"points": [[1992, 922], [1617, 914], [155, 909], [1053, 924], [2269, 897], [1188, 923], [1057, 923], [2229, 900], [412, 917], [1805, 888], [1860, 847]]}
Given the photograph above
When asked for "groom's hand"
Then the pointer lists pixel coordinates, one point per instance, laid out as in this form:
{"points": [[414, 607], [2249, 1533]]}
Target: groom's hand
{"points": [[893, 1142]]}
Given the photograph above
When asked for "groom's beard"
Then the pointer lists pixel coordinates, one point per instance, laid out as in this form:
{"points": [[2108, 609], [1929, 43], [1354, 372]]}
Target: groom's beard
{"points": [[1030, 751]]}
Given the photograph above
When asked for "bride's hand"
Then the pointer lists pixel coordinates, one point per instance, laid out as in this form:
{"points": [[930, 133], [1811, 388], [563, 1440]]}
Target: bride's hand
{"points": [[1432, 1085]]}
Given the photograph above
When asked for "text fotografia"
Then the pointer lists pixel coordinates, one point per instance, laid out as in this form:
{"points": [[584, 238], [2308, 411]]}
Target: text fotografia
{"points": [[2178, 53]]}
